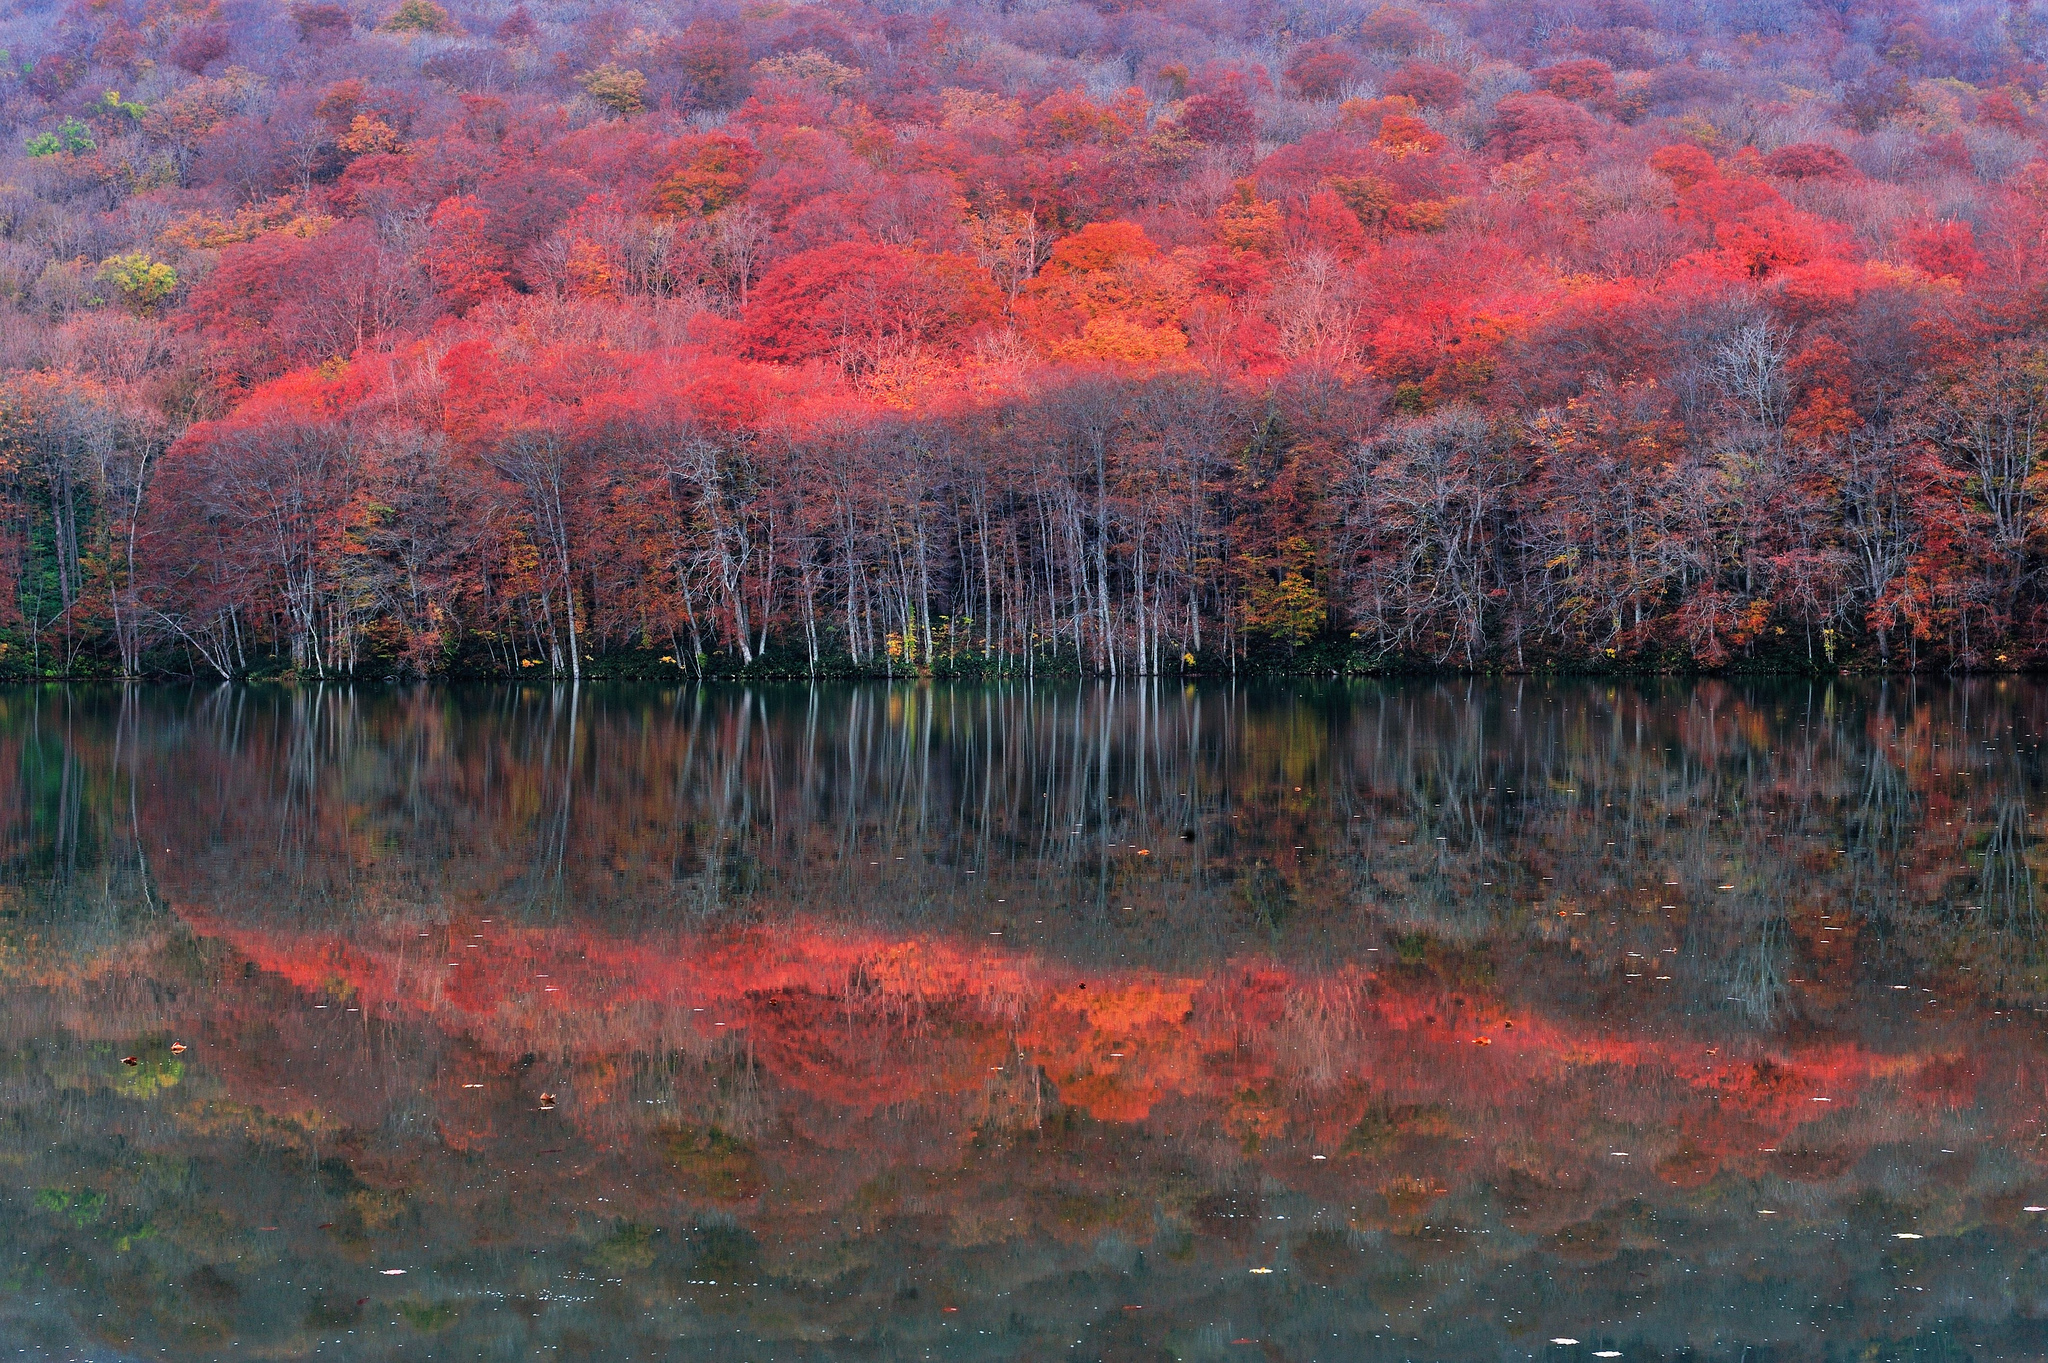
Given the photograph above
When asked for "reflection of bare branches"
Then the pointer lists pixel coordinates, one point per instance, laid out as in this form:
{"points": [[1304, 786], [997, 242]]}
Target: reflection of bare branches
{"points": [[1123, 822], [2003, 927], [2005, 881], [702, 1083], [1013, 1100], [736, 1102], [1756, 978], [1320, 1018], [1878, 831]]}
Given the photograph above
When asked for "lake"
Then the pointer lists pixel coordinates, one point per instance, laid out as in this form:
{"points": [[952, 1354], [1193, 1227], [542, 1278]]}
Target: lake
{"points": [[1424, 1020]]}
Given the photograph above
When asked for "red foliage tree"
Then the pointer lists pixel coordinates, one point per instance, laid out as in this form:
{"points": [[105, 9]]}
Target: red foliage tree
{"points": [[1534, 122], [1222, 114], [707, 173], [1585, 80], [865, 306], [1946, 250], [1429, 85], [927, 236], [1809, 161], [285, 300], [1321, 70]]}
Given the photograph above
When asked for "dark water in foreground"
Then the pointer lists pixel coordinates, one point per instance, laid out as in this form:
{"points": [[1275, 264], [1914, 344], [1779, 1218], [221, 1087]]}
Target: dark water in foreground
{"points": [[1402, 1022]]}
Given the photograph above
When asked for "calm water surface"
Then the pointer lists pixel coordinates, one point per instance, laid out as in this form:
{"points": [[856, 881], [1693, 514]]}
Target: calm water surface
{"points": [[1466, 1021]]}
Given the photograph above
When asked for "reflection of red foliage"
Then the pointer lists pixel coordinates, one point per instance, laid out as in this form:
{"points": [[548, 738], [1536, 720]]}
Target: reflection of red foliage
{"points": [[1946, 1081], [861, 1023]]}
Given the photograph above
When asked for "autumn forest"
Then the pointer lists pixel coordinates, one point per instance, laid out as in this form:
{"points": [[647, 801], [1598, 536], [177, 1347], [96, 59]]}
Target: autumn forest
{"points": [[553, 340]]}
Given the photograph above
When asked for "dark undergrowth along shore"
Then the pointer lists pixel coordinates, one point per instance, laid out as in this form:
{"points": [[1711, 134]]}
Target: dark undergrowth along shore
{"points": [[1332, 659]]}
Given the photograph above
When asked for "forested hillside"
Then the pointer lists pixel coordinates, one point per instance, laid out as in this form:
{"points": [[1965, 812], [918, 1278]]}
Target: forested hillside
{"points": [[388, 338]]}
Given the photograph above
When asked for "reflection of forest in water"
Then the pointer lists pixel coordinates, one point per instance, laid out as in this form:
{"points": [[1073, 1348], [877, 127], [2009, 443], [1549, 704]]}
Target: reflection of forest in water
{"points": [[1017, 1023]]}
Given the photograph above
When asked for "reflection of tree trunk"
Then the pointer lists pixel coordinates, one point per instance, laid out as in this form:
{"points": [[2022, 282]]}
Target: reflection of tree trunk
{"points": [[567, 802], [2006, 880], [2005, 920], [1757, 980]]}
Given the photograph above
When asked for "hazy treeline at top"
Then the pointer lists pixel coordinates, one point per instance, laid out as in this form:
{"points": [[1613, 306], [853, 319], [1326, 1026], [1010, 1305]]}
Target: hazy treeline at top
{"points": [[401, 338]]}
